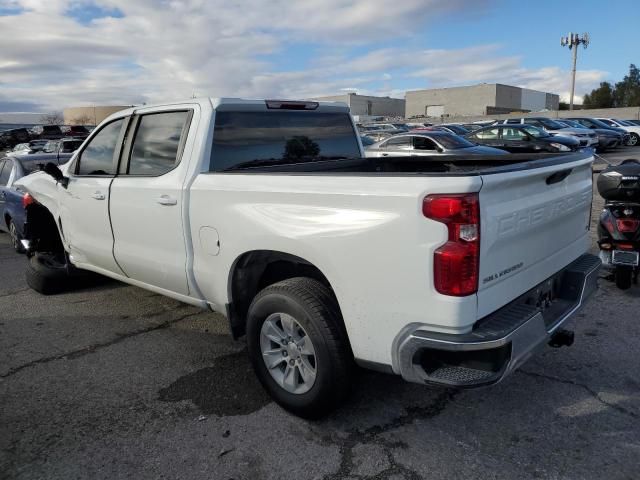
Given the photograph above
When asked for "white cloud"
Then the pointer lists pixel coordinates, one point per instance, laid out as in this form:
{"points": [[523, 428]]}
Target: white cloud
{"points": [[167, 49]]}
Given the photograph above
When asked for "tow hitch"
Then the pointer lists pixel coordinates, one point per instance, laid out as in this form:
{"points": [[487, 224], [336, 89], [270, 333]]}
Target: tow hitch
{"points": [[562, 338]]}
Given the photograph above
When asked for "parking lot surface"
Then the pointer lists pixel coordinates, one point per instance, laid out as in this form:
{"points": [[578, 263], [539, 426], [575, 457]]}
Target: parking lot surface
{"points": [[112, 381]]}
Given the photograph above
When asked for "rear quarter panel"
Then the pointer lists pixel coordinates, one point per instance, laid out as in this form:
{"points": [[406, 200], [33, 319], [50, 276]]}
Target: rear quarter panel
{"points": [[366, 234]]}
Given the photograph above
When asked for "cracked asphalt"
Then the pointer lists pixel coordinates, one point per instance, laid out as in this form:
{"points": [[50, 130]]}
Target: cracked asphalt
{"points": [[112, 381]]}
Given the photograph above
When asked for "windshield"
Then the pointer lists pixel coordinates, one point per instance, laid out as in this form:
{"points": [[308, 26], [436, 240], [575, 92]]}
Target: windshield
{"points": [[453, 142], [624, 122], [458, 129], [535, 131], [281, 137], [366, 141], [551, 124]]}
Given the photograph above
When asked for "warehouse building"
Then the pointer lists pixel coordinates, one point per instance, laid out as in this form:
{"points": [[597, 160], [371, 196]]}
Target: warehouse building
{"points": [[365, 105], [90, 115], [483, 99]]}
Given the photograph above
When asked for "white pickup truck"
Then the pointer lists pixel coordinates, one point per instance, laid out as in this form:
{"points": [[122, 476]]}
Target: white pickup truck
{"points": [[444, 271]]}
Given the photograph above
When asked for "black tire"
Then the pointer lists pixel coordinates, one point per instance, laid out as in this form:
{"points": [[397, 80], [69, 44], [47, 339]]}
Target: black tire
{"points": [[15, 238], [624, 277], [47, 274], [315, 308], [634, 140]]}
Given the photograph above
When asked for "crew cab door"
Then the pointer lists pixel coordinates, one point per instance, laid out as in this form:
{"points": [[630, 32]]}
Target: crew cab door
{"points": [[84, 203], [147, 199]]}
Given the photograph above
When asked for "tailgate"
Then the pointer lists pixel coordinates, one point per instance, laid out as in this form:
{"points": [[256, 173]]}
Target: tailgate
{"points": [[533, 223]]}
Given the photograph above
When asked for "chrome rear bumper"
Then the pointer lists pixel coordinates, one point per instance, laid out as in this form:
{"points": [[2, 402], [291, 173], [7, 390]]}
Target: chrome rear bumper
{"points": [[501, 342]]}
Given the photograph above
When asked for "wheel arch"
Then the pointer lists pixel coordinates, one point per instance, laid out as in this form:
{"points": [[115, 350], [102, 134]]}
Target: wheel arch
{"points": [[254, 270]]}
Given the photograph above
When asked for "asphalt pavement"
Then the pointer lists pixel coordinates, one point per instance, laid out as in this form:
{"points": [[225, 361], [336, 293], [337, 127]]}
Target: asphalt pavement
{"points": [[112, 381]]}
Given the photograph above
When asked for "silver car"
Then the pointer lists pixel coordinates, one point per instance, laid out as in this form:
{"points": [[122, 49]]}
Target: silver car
{"points": [[416, 144]]}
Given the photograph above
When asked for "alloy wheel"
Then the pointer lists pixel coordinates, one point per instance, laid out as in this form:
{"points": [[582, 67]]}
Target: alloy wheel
{"points": [[288, 353]]}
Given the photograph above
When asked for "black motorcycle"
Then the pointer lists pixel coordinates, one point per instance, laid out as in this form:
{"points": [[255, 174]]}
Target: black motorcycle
{"points": [[619, 227]]}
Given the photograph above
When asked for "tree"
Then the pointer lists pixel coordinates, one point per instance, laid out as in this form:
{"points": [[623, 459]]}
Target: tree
{"points": [[564, 105], [601, 97], [627, 92], [52, 118]]}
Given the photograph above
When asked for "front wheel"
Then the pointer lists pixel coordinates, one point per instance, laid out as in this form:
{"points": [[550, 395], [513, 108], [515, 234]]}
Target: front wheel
{"points": [[634, 140], [624, 277], [298, 346], [47, 274]]}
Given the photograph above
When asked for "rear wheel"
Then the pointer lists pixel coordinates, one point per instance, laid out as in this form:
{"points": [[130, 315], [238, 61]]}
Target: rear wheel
{"points": [[624, 277], [15, 237], [298, 346], [47, 274]]}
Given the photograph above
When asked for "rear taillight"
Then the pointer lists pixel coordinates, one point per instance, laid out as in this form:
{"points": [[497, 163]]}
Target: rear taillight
{"points": [[27, 200], [627, 225], [457, 262]]}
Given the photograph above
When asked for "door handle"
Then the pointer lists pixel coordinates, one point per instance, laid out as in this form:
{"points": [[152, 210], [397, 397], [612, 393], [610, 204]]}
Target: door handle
{"points": [[97, 196], [166, 200]]}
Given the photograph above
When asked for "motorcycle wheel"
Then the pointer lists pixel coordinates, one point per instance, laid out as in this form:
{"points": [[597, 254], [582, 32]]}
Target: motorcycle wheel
{"points": [[624, 277]]}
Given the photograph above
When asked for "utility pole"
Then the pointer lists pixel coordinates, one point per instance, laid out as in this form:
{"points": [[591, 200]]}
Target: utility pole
{"points": [[572, 41]]}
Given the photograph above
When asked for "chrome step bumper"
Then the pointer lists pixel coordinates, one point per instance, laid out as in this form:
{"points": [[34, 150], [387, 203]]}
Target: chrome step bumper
{"points": [[500, 342]]}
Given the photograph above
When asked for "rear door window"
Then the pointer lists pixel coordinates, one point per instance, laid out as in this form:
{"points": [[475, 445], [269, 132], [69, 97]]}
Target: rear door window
{"points": [[281, 137], [399, 143], [156, 146]]}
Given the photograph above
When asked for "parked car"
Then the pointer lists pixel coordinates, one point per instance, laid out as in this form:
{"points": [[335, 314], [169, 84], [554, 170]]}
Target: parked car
{"points": [[11, 138], [634, 121], [585, 136], [48, 132], [422, 143], [57, 151], [595, 124], [441, 272], [607, 138], [522, 139], [449, 128], [33, 146], [12, 199], [77, 131], [633, 129]]}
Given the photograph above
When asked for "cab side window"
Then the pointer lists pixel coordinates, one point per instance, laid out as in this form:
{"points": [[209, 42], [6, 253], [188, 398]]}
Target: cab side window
{"points": [[98, 156], [156, 146]]}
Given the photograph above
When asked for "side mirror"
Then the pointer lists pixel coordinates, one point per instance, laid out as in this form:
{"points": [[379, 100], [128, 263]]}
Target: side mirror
{"points": [[439, 149], [53, 170]]}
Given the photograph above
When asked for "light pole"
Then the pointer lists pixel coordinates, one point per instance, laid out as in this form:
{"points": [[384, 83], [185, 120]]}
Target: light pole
{"points": [[572, 41]]}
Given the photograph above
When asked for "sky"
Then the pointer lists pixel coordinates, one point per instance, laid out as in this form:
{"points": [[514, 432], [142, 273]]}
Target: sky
{"points": [[61, 53]]}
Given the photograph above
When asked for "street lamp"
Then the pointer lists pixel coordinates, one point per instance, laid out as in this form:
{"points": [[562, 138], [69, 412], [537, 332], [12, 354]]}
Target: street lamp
{"points": [[572, 41]]}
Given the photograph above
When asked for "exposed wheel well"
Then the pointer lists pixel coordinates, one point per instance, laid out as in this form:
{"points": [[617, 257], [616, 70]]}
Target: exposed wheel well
{"points": [[41, 229], [7, 219], [256, 270]]}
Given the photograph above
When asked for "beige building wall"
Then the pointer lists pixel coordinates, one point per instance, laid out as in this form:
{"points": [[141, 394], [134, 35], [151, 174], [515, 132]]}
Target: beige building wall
{"points": [[369, 105], [89, 115], [472, 100]]}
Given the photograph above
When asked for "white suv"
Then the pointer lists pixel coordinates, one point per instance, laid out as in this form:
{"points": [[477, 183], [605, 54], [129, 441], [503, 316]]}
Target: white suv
{"points": [[632, 128]]}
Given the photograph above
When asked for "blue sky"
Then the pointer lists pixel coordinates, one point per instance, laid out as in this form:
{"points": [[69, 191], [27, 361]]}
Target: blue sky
{"points": [[83, 52]]}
